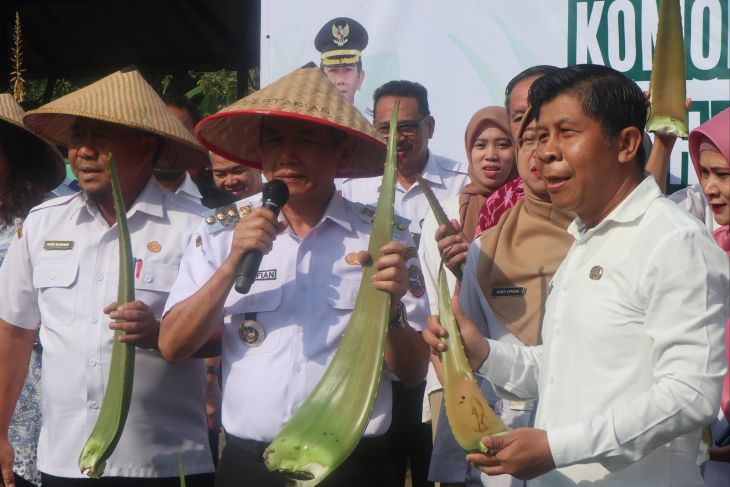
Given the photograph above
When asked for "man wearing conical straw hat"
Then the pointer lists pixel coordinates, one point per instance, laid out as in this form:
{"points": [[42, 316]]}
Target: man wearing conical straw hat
{"points": [[279, 337], [64, 270], [29, 168]]}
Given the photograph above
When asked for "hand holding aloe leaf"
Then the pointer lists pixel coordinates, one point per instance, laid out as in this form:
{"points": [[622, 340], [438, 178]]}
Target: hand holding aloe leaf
{"points": [[330, 422], [468, 412], [115, 406]]}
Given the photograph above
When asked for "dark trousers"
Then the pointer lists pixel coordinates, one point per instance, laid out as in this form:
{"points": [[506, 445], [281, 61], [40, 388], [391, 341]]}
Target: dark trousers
{"points": [[242, 465], [21, 482], [199, 480], [409, 439]]}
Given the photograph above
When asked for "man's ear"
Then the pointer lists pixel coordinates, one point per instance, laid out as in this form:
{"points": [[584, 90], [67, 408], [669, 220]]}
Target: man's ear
{"points": [[430, 125], [347, 148], [149, 147], [628, 143], [360, 79]]}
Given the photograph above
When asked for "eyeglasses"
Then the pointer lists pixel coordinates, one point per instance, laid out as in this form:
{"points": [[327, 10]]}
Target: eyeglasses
{"points": [[528, 142], [408, 129]]}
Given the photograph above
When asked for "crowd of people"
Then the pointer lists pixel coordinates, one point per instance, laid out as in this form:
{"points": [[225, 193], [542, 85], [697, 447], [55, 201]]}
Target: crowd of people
{"points": [[593, 309]]}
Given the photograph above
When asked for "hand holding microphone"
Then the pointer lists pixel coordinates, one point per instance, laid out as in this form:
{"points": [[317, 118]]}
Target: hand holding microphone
{"points": [[274, 195]]}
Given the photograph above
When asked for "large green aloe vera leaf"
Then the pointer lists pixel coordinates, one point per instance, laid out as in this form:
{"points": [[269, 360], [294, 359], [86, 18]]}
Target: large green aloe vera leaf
{"points": [[441, 218], [115, 406], [668, 85], [330, 422], [469, 414]]}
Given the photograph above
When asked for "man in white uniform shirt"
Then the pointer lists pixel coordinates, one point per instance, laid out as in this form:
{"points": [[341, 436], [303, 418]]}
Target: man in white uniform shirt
{"points": [[410, 437], [631, 364], [60, 279], [280, 336]]}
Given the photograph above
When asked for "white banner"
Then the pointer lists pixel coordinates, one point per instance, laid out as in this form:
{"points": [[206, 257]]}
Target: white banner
{"points": [[465, 51]]}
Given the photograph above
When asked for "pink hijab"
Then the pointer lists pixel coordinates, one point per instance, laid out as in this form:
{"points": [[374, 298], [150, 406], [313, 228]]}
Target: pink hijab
{"points": [[716, 132]]}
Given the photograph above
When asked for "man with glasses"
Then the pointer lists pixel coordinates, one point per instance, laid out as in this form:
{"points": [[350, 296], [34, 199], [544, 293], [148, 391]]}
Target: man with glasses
{"points": [[409, 438], [415, 127]]}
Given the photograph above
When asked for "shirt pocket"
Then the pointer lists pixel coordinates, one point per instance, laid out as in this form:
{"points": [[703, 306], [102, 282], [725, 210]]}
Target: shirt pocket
{"points": [[263, 303], [55, 280], [344, 296], [154, 284]]}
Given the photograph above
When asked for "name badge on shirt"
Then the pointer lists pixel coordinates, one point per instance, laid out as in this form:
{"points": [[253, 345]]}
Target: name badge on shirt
{"points": [[498, 292], [58, 245], [267, 275]]}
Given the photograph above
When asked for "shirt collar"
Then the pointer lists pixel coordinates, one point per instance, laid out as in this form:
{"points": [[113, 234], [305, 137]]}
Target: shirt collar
{"points": [[149, 201], [630, 209], [432, 172], [337, 212], [188, 187]]}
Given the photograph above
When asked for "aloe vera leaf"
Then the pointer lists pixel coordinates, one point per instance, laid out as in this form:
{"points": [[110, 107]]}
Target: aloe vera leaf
{"points": [[667, 88], [115, 406], [441, 218], [468, 412], [330, 422]]}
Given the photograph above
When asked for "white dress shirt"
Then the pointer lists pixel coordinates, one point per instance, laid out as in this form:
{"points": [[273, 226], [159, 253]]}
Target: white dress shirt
{"points": [[631, 364], [303, 298], [445, 177], [63, 270]]}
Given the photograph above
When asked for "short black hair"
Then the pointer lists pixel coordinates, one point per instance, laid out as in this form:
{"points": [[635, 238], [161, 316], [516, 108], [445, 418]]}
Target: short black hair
{"points": [[404, 88], [183, 103], [605, 95], [531, 72]]}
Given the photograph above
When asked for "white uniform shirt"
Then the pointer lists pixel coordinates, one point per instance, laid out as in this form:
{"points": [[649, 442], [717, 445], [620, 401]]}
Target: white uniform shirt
{"points": [[631, 364], [303, 299], [61, 273], [189, 190], [445, 177]]}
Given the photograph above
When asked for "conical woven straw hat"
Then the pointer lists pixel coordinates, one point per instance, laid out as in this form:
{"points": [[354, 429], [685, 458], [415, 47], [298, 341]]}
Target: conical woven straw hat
{"points": [[304, 94], [122, 98], [51, 169]]}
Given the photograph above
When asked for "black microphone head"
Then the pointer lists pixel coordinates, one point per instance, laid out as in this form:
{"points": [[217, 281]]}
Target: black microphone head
{"points": [[275, 191]]}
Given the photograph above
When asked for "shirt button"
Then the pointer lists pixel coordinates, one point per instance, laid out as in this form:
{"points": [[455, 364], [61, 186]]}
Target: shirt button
{"points": [[565, 288], [251, 300], [51, 275], [298, 369], [148, 278], [558, 332], [93, 405], [99, 276], [94, 319], [92, 363]]}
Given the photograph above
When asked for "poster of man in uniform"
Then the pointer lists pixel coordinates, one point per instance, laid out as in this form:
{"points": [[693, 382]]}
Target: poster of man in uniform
{"points": [[465, 52]]}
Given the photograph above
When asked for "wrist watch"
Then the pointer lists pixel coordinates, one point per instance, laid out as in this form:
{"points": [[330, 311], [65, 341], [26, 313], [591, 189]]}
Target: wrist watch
{"points": [[401, 319]]}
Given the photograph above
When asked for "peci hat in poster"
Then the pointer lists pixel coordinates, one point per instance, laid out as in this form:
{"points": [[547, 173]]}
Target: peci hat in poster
{"points": [[122, 98], [304, 94], [49, 167]]}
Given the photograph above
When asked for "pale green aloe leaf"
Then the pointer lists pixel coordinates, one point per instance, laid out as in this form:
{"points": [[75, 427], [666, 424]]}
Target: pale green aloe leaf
{"points": [[441, 218], [668, 85], [330, 422], [115, 406], [469, 414]]}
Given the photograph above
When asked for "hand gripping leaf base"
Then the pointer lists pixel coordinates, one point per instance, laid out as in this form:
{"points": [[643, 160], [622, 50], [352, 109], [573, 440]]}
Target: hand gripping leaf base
{"points": [[114, 408], [668, 86], [469, 414], [330, 422]]}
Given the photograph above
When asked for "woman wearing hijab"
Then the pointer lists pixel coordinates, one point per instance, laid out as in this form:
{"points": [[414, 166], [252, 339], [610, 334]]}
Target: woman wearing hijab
{"points": [[29, 169], [709, 149], [490, 152]]}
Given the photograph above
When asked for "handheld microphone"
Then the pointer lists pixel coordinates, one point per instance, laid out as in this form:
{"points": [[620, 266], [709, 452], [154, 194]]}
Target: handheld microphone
{"points": [[274, 194]]}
